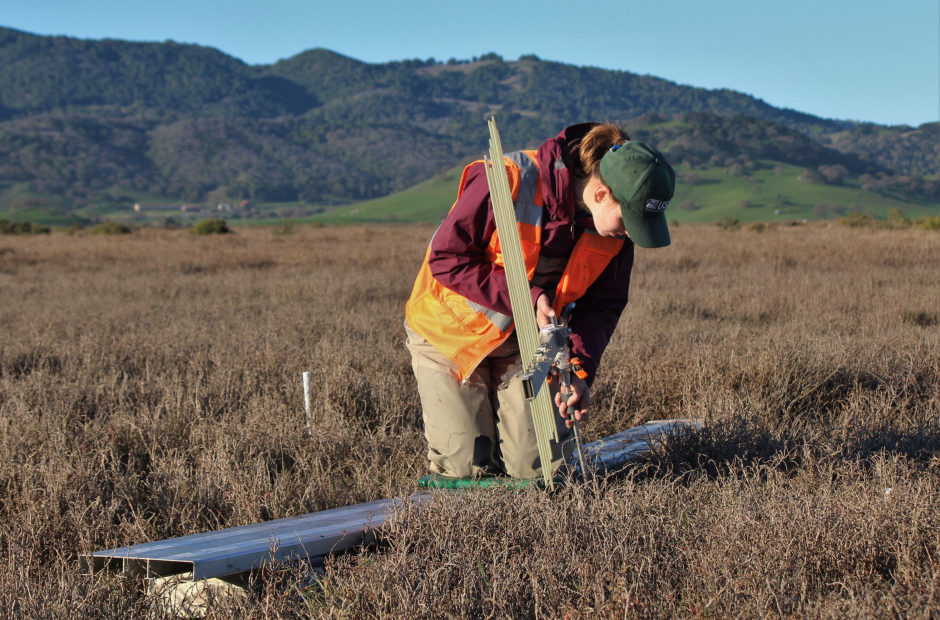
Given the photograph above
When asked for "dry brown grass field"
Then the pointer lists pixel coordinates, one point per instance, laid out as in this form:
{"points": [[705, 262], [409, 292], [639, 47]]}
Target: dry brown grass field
{"points": [[150, 387]]}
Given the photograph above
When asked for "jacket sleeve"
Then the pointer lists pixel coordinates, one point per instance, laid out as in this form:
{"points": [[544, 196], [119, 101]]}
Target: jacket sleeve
{"points": [[596, 314], [457, 257]]}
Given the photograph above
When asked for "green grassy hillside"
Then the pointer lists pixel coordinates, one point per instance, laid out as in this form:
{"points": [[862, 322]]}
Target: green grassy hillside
{"points": [[769, 192], [428, 201], [777, 191]]}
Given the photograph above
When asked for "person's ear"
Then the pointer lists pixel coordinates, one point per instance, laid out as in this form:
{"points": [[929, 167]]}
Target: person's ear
{"points": [[601, 193]]}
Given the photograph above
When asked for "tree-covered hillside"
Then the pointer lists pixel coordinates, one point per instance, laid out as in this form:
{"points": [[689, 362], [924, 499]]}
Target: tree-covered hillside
{"points": [[105, 122]]}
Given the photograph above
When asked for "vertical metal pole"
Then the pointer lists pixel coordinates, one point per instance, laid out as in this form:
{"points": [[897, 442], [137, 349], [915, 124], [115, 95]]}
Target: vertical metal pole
{"points": [[306, 376], [523, 314]]}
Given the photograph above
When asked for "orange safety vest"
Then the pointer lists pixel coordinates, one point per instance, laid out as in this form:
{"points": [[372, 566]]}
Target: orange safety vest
{"points": [[465, 331]]}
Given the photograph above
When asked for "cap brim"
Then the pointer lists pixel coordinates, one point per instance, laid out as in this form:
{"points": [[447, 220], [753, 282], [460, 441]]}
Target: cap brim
{"points": [[647, 230]]}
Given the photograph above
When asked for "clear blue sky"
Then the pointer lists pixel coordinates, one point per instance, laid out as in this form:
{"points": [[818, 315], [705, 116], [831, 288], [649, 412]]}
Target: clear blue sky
{"points": [[867, 60]]}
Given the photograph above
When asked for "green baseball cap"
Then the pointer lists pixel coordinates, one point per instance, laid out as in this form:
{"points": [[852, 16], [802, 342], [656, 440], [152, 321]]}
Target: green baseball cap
{"points": [[643, 182]]}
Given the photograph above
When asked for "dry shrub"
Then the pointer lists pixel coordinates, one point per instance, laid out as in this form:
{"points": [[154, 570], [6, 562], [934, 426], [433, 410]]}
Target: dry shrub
{"points": [[150, 387], [213, 226], [928, 222]]}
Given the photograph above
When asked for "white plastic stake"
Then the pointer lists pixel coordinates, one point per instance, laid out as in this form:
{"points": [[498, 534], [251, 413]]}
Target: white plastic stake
{"points": [[306, 376]]}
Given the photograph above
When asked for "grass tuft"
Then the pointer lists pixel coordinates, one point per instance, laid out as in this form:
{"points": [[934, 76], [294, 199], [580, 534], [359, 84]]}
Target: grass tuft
{"points": [[110, 228], [22, 228], [213, 226]]}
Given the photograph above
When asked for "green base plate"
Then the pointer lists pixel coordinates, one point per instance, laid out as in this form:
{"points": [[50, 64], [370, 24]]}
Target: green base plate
{"points": [[436, 481]]}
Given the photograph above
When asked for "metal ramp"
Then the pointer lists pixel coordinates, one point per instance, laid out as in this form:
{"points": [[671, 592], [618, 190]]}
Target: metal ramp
{"points": [[612, 454], [236, 550], [310, 537]]}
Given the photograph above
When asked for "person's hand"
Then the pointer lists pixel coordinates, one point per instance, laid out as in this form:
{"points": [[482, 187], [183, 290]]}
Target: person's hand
{"points": [[543, 311], [575, 403]]}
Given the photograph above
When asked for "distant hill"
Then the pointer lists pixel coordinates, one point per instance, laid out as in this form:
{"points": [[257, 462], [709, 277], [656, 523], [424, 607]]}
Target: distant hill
{"points": [[94, 126]]}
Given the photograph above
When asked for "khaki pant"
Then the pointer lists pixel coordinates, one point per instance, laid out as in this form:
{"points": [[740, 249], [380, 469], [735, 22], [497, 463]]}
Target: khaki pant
{"points": [[482, 426]]}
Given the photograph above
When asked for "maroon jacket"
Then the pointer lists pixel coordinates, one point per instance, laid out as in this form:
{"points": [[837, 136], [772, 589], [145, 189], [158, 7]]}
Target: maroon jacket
{"points": [[457, 250]]}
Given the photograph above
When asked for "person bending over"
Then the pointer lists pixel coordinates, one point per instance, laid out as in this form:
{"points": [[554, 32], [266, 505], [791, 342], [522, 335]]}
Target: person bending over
{"points": [[582, 201]]}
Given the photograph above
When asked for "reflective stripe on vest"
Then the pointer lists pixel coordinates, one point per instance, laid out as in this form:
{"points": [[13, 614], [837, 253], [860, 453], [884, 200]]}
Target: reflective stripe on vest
{"points": [[502, 321], [527, 210], [465, 331]]}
